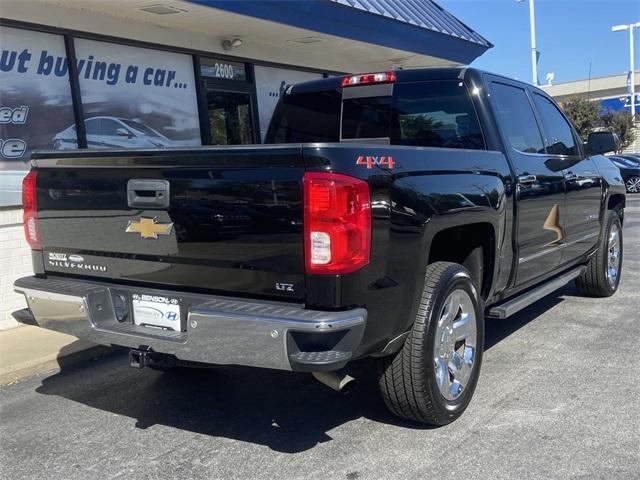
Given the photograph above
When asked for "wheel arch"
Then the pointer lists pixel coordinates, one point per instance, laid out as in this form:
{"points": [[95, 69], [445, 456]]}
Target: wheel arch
{"points": [[617, 202], [613, 186], [459, 244]]}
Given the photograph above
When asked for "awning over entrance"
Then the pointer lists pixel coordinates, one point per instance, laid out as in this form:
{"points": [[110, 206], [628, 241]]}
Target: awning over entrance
{"points": [[422, 29], [329, 35]]}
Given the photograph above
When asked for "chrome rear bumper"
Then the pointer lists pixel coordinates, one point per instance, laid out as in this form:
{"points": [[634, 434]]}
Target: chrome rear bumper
{"points": [[218, 330]]}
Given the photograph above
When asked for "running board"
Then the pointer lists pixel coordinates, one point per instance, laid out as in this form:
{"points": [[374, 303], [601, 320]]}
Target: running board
{"points": [[524, 300]]}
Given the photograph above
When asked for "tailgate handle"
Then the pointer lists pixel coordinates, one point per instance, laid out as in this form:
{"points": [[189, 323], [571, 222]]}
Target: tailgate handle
{"points": [[148, 193]]}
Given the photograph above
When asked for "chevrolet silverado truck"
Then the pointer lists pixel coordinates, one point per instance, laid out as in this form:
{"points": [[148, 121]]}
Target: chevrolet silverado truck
{"points": [[386, 215]]}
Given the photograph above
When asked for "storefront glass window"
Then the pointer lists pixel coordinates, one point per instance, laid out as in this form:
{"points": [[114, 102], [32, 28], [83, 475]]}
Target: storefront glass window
{"points": [[271, 83], [230, 118], [35, 103], [136, 97]]}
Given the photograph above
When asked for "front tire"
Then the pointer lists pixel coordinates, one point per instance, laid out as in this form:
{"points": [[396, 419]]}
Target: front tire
{"points": [[602, 276], [433, 377]]}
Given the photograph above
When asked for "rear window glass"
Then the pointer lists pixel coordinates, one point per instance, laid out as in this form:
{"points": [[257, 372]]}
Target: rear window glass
{"points": [[366, 117], [435, 114], [426, 114], [306, 117]]}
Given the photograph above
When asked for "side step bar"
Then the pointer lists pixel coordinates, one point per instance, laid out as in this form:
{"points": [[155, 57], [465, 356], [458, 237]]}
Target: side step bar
{"points": [[524, 300]]}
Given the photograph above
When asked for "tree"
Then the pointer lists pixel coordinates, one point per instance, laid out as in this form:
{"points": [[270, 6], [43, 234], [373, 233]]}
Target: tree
{"points": [[584, 114], [620, 122], [420, 127]]}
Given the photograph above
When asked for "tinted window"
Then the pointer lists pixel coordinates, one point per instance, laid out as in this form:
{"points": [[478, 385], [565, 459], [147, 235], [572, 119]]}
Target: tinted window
{"points": [[109, 127], [619, 162], [558, 134], [635, 161], [517, 119], [626, 162], [92, 127], [306, 117], [366, 117], [435, 114]]}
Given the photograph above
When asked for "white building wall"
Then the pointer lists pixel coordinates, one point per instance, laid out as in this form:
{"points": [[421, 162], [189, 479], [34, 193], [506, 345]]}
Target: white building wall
{"points": [[15, 262]]}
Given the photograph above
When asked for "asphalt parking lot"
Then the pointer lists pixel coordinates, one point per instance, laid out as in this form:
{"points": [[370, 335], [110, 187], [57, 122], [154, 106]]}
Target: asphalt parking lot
{"points": [[557, 398]]}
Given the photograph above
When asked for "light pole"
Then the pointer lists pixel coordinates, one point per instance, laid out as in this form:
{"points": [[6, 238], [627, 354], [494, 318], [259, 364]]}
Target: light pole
{"points": [[630, 27], [534, 51]]}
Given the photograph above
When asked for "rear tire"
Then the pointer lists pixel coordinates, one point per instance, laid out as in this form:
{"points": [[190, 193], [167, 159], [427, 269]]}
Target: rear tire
{"points": [[602, 276], [433, 377]]}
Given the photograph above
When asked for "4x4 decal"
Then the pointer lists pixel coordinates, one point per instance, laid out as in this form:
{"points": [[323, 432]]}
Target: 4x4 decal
{"points": [[370, 161]]}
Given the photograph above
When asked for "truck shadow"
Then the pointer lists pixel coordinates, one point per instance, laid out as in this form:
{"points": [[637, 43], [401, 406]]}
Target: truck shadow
{"points": [[287, 412], [498, 330]]}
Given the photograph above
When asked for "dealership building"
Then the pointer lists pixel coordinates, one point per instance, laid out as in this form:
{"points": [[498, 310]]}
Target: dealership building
{"points": [[612, 92], [144, 74]]}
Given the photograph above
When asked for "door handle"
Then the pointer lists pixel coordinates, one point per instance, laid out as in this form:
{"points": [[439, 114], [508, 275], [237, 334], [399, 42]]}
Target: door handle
{"points": [[570, 176], [527, 179], [148, 193]]}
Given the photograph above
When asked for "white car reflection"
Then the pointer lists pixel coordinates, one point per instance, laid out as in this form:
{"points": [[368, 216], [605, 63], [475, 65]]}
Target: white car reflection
{"points": [[113, 132]]}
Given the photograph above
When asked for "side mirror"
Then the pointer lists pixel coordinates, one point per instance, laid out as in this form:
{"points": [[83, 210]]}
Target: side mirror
{"points": [[602, 142], [123, 132]]}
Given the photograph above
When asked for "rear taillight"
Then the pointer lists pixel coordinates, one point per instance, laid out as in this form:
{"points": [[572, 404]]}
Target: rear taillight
{"points": [[337, 223], [30, 214], [368, 79]]}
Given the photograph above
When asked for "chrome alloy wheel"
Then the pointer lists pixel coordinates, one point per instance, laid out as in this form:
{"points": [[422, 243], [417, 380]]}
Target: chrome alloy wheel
{"points": [[455, 344], [633, 185], [613, 255]]}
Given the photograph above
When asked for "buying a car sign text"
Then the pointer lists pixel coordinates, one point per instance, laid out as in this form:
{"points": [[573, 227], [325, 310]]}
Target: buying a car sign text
{"points": [[45, 64], [13, 147]]}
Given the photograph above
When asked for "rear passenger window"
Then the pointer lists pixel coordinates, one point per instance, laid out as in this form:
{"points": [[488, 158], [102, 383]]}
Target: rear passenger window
{"points": [[109, 127], [517, 119], [435, 114], [559, 138], [92, 127]]}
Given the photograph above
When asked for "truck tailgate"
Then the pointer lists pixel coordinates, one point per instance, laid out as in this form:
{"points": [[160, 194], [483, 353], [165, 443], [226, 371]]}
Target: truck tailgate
{"points": [[215, 219]]}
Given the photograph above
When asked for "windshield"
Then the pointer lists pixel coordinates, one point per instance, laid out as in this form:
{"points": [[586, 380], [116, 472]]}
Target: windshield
{"points": [[141, 127], [631, 160]]}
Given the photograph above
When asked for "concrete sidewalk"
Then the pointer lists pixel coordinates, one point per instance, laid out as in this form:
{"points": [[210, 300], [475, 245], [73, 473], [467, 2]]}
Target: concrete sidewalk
{"points": [[26, 351]]}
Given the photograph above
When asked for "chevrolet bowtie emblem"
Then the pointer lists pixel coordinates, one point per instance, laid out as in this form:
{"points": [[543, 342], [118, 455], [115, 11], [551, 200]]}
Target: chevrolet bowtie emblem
{"points": [[149, 227]]}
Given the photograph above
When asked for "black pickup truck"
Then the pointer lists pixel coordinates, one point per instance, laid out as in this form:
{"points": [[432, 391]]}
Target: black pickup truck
{"points": [[387, 216]]}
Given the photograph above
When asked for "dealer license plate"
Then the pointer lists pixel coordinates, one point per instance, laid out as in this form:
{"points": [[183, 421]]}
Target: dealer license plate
{"points": [[156, 311]]}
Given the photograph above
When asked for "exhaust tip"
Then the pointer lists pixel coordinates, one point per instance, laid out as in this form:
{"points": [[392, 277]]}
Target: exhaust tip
{"points": [[349, 384], [338, 381]]}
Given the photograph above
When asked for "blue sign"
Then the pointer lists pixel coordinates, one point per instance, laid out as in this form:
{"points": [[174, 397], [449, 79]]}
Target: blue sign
{"points": [[619, 103]]}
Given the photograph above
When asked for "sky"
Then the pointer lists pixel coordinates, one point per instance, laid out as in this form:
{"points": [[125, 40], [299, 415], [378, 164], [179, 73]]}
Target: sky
{"points": [[570, 35]]}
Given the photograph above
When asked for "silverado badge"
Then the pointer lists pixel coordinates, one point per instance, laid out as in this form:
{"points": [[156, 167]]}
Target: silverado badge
{"points": [[149, 227]]}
